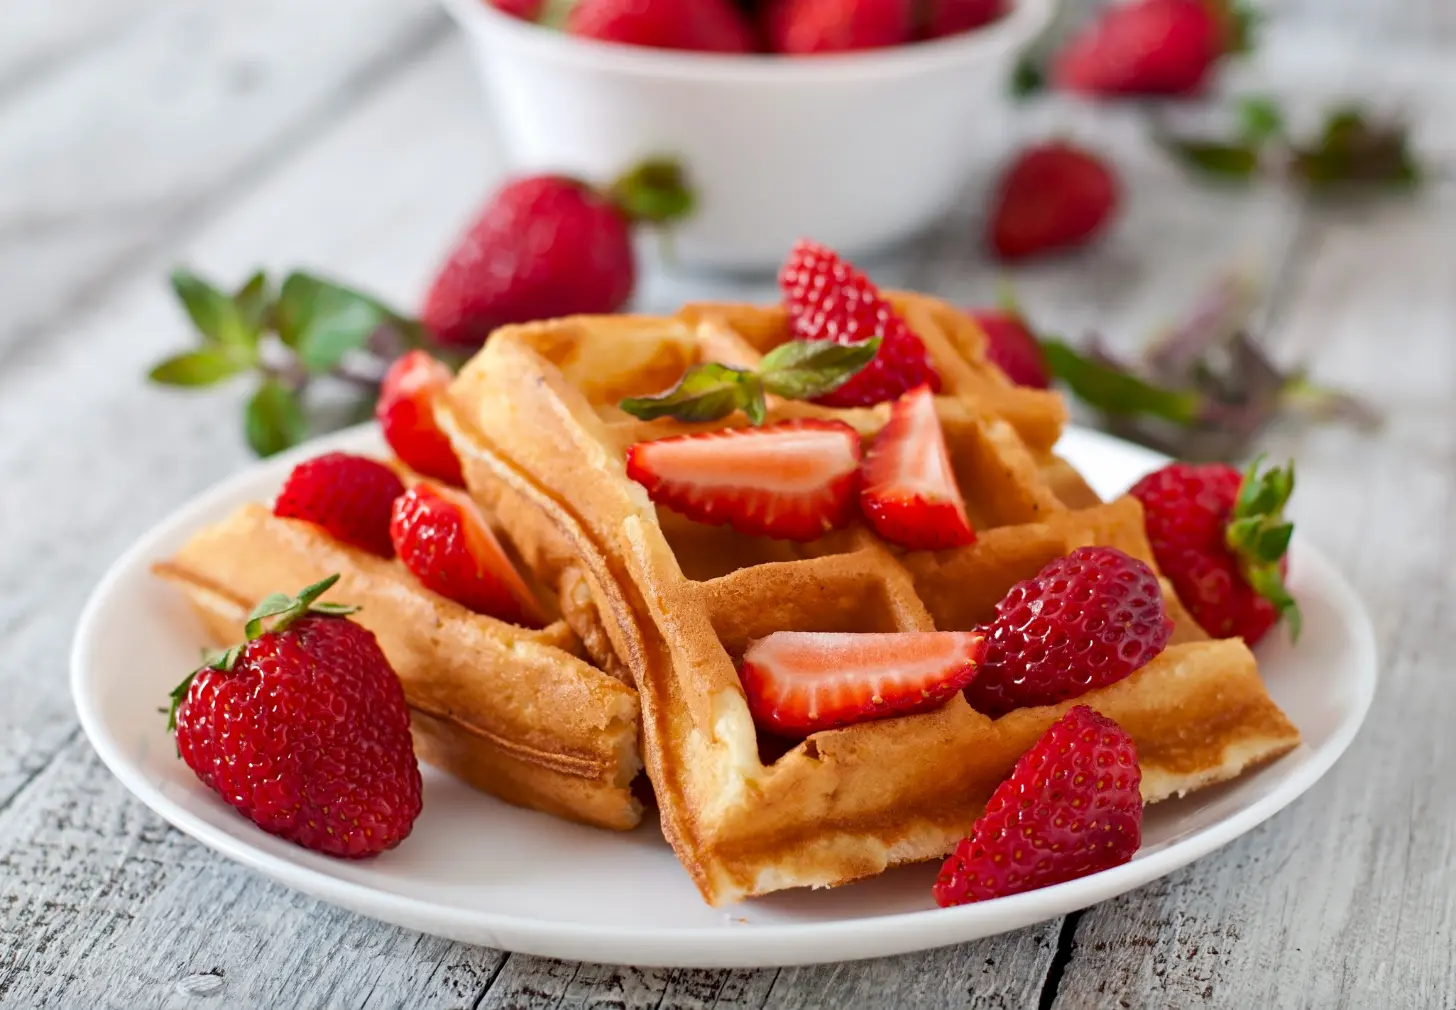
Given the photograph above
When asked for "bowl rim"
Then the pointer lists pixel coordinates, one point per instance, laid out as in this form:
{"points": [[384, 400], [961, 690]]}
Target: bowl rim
{"points": [[1025, 19]]}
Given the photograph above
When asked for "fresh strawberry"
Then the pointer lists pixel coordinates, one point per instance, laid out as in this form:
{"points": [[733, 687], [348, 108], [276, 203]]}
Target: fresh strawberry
{"points": [[1145, 47], [1012, 347], [349, 496], [800, 682], [304, 730], [908, 491], [1070, 808], [1084, 621], [406, 413], [951, 17], [1221, 538], [793, 480], [544, 246], [1054, 196], [805, 27], [526, 10], [828, 299], [445, 542], [715, 26]]}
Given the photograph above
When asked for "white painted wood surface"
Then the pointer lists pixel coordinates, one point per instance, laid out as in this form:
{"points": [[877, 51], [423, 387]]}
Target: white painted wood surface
{"points": [[349, 136]]}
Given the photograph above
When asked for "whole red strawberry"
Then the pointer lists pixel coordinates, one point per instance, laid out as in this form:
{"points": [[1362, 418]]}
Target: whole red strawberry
{"points": [[1053, 196], [805, 27], [542, 247], [951, 17], [828, 299], [304, 729], [406, 413], [1084, 621], [349, 496], [1146, 47], [715, 26], [1221, 538], [1012, 347], [1071, 807]]}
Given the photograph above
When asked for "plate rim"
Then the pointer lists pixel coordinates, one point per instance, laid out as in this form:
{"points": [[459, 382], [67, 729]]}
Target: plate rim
{"points": [[755, 945]]}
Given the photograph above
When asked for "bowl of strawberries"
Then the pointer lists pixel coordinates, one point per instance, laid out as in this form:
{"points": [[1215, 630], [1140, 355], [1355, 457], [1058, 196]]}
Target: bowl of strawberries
{"points": [[857, 121]]}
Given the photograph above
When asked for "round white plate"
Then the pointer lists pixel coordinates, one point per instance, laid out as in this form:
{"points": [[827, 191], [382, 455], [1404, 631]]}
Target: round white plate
{"points": [[483, 872]]}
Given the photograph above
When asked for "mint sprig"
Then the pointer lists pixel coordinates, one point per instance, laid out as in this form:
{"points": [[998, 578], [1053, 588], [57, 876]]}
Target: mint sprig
{"points": [[796, 370], [309, 328]]}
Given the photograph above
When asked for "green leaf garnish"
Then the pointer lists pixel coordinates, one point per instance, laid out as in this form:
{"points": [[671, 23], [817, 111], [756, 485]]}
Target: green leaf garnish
{"points": [[1260, 119], [196, 368], [273, 419], [253, 299], [796, 370], [217, 317], [1118, 392], [706, 392], [324, 321], [806, 369], [1356, 149], [1227, 161]]}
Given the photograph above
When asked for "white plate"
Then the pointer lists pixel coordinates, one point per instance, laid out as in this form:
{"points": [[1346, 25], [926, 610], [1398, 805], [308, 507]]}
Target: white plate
{"points": [[483, 872]]}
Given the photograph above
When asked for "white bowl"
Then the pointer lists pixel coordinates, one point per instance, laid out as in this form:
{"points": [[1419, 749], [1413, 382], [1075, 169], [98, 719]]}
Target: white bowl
{"points": [[859, 150]]}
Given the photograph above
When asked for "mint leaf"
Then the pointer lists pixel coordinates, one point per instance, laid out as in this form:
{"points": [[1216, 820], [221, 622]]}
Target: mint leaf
{"points": [[252, 300], [324, 321], [706, 392], [1027, 77], [216, 316], [1212, 157], [196, 368], [1115, 391], [1355, 149], [273, 419], [804, 369], [1260, 119]]}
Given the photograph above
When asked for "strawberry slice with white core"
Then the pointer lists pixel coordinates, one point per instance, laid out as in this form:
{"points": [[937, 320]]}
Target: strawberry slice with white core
{"points": [[793, 480], [800, 682], [908, 492]]}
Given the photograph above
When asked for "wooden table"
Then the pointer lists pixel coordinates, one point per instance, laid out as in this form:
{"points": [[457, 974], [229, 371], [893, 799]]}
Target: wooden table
{"points": [[350, 136]]}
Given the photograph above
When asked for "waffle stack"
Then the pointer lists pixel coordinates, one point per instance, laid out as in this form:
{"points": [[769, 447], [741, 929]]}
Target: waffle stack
{"points": [[514, 712], [670, 605]]}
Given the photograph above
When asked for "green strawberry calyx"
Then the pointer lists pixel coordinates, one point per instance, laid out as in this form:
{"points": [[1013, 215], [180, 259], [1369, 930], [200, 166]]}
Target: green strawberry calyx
{"points": [[795, 370], [274, 614], [1258, 534]]}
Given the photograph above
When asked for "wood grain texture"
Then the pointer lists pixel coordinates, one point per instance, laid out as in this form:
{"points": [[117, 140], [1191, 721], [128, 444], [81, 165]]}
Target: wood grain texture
{"points": [[135, 135]]}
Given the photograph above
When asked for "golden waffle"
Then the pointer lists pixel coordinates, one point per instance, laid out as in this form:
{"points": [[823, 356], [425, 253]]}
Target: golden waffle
{"points": [[535, 421], [511, 711]]}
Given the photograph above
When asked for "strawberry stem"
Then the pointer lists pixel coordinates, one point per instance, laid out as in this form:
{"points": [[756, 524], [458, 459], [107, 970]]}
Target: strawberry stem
{"points": [[1259, 535], [653, 192]]}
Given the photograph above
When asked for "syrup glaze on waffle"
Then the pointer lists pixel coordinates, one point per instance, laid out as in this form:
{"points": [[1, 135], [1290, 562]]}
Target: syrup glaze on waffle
{"points": [[514, 712], [535, 420]]}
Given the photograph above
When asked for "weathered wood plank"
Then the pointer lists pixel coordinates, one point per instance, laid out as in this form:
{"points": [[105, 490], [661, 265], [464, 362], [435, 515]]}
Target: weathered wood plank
{"points": [[111, 155], [1343, 900], [104, 905]]}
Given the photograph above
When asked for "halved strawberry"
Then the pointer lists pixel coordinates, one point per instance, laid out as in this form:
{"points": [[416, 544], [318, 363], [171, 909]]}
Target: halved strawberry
{"points": [[444, 541], [793, 480], [406, 413], [908, 490], [800, 682]]}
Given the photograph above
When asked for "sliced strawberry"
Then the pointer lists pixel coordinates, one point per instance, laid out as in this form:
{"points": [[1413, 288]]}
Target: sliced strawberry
{"points": [[349, 496], [793, 480], [444, 541], [1071, 807], [406, 413], [908, 490], [800, 682]]}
